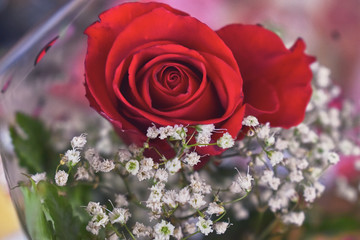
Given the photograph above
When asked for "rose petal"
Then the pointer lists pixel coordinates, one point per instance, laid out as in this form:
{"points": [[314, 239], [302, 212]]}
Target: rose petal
{"points": [[101, 36], [262, 56]]}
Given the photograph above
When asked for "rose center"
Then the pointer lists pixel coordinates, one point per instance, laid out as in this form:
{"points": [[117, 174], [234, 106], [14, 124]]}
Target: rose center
{"points": [[170, 76]]}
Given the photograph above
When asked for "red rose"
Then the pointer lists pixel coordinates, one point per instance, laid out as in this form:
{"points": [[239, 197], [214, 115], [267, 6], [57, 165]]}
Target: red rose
{"points": [[149, 63]]}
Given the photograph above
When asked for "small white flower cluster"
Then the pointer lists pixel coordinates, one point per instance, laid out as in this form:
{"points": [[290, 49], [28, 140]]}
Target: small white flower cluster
{"points": [[176, 132], [100, 219], [38, 177], [242, 183], [203, 136], [70, 158], [73, 156], [97, 163]]}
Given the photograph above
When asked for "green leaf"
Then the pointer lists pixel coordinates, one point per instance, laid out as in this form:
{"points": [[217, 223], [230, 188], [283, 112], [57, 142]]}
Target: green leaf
{"points": [[66, 225], [37, 225], [32, 146], [52, 214]]}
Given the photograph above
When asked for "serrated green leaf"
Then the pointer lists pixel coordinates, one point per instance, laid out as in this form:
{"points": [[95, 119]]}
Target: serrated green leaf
{"points": [[31, 144]]}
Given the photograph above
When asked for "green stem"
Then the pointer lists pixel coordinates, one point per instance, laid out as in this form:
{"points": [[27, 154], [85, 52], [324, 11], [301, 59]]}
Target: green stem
{"points": [[268, 229], [219, 218], [128, 230], [116, 231], [197, 144], [238, 199], [191, 235], [200, 213]]}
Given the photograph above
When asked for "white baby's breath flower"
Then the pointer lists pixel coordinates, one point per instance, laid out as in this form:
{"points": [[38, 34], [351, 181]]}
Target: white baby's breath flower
{"points": [[197, 200], [192, 158], [269, 141], [152, 132], [263, 132], [170, 198], [244, 181], [215, 208], [275, 157], [278, 202], [235, 187], [179, 132], [73, 156], [100, 219], [61, 178], [161, 175], [94, 208], [39, 177], [82, 174], [320, 188], [296, 176], [203, 138], [205, 226], [143, 175], [206, 128], [332, 157], [124, 155], [184, 196], [121, 201], [221, 227], [178, 233], [106, 166], [250, 121], [132, 166], [226, 141], [346, 147], [119, 215], [78, 142], [146, 164], [165, 132], [296, 218], [90, 154], [274, 183], [309, 194], [189, 228], [173, 166], [302, 164], [93, 228], [281, 144], [134, 149], [199, 185], [323, 77], [163, 230], [140, 230]]}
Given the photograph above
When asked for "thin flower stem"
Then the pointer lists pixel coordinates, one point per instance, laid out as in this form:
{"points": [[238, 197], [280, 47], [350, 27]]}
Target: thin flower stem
{"points": [[197, 144], [128, 230], [268, 229], [172, 211], [238, 199], [116, 231], [192, 135], [200, 213], [191, 235], [219, 218], [157, 151]]}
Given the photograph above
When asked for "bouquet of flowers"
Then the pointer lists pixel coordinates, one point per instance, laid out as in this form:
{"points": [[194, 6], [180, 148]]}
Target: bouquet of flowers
{"points": [[204, 135]]}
